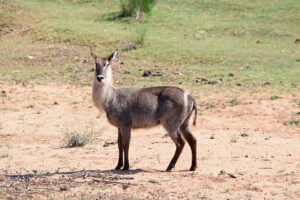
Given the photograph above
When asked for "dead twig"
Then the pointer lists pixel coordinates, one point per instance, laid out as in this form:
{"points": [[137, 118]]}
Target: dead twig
{"points": [[113, 182]]}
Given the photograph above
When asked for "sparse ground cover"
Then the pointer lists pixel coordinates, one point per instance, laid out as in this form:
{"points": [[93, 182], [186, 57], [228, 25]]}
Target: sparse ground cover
{"points": [[238, 58], [244, 150]]}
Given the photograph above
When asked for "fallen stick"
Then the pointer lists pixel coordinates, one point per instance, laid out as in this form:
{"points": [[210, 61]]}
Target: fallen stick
{"points": [[265, 168], [113, 182]]}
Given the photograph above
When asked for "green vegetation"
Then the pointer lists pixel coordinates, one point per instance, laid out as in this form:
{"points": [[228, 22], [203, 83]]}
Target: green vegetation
{"points": [[4, 155], [275, 97], [78, 135], [74, 139], [233, 140], [292, 122], [234, 102], [131, 8], [253, 41]]}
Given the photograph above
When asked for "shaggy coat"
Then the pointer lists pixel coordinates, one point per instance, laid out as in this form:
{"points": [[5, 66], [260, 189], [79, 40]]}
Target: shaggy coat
{"points": [[129, 108]]}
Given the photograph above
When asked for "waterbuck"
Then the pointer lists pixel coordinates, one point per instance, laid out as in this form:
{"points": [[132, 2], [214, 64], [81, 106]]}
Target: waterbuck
{"points": [[130, 108]]}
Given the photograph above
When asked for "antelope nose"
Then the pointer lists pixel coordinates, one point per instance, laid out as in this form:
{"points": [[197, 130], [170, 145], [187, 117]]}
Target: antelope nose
{"points": [[100, 78]]}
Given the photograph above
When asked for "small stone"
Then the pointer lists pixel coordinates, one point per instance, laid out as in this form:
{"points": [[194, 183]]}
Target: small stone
{"points": [[157, 74], [259, 41], [244, 135], [63, 188], [177, 73], [297, 40], [127, 72], [146, 73], [246, 156], [212, 82], [222, 172], [106, 144], [125, 186], [212, 137], [129, 46]]}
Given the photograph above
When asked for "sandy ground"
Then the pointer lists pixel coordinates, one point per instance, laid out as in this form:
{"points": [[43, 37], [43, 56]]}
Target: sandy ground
{"points": [[244, 151]]}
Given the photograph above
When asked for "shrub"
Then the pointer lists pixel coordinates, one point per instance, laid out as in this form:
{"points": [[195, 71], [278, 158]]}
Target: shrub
{"points": [[74, 139], [77, 135], [132, 8]]}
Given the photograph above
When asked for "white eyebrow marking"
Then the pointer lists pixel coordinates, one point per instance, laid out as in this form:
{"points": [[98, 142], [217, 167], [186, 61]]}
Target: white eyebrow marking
{"points": [[106, 64]]}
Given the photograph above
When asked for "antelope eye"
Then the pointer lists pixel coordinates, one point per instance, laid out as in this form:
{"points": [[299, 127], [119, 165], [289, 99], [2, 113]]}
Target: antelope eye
{"points": [[106, 65]]}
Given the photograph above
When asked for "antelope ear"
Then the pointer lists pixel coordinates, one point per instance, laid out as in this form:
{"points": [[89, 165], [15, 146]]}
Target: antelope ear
{"points": [[113, 56], [93, 54]]}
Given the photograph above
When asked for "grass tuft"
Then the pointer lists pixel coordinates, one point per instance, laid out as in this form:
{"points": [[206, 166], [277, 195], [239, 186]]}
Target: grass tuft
{"points": [[275, 97], [233, 140], [77, 135], [292, 122], [74, 139], [140, 36], [133, 8], [234, 102]]}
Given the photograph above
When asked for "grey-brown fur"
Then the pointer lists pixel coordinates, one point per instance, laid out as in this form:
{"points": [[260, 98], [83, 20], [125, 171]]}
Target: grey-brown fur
{"points": [[129, 108]]}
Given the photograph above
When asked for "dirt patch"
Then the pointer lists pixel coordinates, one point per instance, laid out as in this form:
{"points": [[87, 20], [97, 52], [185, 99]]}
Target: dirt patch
{"points": [[35, 118]]}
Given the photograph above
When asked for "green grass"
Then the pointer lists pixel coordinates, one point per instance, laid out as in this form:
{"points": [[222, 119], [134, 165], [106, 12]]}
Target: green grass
{"points": [[129, 8], [292, 122], [207, 38], [234, 102], [74, 139], [233, 140], [275, 97]]}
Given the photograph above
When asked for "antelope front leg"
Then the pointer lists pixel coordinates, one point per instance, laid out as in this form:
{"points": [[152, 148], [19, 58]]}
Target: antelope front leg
{"points": [[126, 134], [120, 146]]}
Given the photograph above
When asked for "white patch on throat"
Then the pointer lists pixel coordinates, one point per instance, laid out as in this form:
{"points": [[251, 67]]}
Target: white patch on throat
{"points": [[108, 76], [102, 92]]}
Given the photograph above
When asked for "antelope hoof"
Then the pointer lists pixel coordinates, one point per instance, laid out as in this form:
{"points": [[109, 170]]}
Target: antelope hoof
{"points": [[193, 168], [126, 167], [118, 167], [170, 168]]}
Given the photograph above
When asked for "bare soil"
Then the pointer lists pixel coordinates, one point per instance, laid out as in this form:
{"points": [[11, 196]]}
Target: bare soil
{"points": [[244, 151]]}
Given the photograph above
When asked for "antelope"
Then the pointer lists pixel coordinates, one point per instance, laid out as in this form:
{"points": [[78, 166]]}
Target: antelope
{"points": [[131, 108]]}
